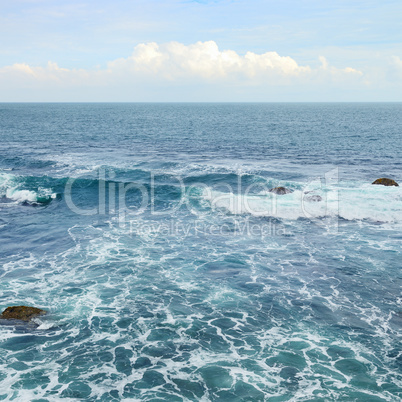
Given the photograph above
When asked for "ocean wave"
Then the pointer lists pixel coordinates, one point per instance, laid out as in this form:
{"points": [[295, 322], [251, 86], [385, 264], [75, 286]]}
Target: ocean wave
{"points": [[230, 193], [18, 189]]}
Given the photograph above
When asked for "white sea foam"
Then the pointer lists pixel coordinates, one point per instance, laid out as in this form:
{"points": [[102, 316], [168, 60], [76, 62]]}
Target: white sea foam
{"points": [[366, 202], [11, 187], [106, 268]]}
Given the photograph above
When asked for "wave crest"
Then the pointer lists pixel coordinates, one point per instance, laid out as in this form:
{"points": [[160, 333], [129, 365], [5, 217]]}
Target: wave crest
{"points": [[17, 189]]}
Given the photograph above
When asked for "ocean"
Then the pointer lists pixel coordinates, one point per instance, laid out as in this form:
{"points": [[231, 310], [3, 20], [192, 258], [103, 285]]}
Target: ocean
{"points": [[171, 272]]}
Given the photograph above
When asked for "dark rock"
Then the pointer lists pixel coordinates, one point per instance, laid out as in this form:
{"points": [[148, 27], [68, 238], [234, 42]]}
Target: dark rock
{"points": [[23, 313], [280, 190], [313, 198], [386, 182]]}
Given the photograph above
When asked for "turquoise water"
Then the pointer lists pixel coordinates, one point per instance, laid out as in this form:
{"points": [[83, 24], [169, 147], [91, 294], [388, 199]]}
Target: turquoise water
{"points": [[170, 272]]}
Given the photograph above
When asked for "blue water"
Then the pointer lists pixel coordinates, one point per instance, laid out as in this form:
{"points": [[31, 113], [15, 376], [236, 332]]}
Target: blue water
{"points": [[170, 272]]}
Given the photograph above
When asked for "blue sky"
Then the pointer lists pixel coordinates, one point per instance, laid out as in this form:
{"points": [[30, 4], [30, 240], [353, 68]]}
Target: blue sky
{"points": [[219, 50]]}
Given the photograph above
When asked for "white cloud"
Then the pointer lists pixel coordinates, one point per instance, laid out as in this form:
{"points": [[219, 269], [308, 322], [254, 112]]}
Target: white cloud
{"points": [[337, 71], [19, 67], [174, 60], [205, 60], [397, 62], [154, 66], [38, 75]]}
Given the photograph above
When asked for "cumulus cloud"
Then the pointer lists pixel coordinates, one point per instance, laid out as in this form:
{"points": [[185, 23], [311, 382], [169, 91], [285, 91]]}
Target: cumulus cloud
{"points": [[174, 60], [337, 71], [204, 59], [51, 72], [175, 63], [397, 62]]}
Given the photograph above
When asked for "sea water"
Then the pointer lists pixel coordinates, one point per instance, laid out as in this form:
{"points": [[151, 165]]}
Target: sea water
{"points": [[170, 271]]}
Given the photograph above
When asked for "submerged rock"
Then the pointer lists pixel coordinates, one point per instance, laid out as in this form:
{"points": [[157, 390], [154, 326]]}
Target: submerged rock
{"points": [[313, 198], [23, 313], [280, 190], [386, 182]]}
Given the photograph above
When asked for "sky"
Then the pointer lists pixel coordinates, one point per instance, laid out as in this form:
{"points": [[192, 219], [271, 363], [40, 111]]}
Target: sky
{"points": [[200, 51]]}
